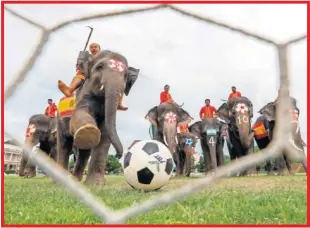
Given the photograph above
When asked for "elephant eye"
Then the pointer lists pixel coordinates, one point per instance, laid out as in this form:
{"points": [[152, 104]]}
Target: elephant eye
{"points": [[99, 67]]}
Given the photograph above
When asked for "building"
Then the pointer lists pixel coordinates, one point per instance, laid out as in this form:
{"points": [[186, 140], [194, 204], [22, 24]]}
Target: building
{"points": [[12, 156]]}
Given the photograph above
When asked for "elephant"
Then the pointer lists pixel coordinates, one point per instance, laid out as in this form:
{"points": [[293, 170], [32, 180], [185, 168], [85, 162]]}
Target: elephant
{"points": [[210, 131], [238, 113], [263, 133], [91, 127], [165, 118], [41, 129], [185, 148]]}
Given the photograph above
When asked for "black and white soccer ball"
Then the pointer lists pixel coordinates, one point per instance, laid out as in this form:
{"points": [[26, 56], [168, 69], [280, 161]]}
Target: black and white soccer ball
{"points": [[148, 165]]}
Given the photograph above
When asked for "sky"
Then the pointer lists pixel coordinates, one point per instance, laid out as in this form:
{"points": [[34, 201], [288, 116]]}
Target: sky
{"points": [[198, 60]]}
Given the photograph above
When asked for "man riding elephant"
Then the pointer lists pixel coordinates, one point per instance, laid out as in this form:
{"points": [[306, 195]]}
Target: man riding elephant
{"points": [[91, 124], [79, 77]]}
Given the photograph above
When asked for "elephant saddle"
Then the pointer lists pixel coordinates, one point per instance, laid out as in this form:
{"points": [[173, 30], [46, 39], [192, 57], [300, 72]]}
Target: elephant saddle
{"points": [[260, 130], [66, 106]]}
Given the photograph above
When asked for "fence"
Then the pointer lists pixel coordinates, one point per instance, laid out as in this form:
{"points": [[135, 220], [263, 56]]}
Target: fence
{"points": [[275, 148]]}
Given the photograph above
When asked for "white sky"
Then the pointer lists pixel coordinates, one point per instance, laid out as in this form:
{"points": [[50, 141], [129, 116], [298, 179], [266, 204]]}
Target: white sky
{"points": [[197, 59]]}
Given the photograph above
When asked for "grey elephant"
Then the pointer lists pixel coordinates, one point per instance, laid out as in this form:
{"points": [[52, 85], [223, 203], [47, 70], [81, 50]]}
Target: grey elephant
{"points": [[211, 134], [92, 125], [165, 118], [185, 148], [263, 133], [41, 130], [238, 113]]}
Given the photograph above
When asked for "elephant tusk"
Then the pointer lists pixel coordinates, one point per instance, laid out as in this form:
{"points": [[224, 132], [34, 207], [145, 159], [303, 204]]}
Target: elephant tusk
{"points": [[102, 87], [293, 143], [165, 140], [176, 140]]}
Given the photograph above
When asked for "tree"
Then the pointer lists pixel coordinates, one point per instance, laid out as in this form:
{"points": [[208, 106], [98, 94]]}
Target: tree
{"points": [[113, 164], [201, 165]]}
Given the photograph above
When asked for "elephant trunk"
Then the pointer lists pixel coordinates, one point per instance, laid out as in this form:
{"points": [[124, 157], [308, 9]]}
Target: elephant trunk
{"points": [[170, 136], [246, 137], [212, 149], [111, 103]]}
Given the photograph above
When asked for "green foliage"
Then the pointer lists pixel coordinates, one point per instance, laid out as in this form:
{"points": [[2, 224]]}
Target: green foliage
{"points": [[113, 164], [10, 171], [226, 159], [243, 200]]}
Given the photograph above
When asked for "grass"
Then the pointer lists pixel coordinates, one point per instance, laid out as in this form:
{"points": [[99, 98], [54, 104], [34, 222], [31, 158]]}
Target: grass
{"points": [[246, 200]]}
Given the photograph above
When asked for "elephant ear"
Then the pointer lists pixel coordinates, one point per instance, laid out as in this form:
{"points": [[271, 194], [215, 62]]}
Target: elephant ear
{"points": [[223, 111], [152, 116], [268, 111], [195, 129], [184, 117], [131, 78]]}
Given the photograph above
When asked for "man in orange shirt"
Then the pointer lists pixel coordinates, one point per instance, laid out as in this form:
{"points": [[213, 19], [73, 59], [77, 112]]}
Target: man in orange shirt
{"points": [[51, 109], [165, 96], [207, 111], [68, 91], [234, 93]]}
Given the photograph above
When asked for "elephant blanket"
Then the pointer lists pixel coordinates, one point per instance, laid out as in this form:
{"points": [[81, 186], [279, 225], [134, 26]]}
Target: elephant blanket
{"points": [[66, 106]]}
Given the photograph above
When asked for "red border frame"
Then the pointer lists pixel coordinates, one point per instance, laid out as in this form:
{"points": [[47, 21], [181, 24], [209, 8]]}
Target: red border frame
{"points": [[134, 2]]}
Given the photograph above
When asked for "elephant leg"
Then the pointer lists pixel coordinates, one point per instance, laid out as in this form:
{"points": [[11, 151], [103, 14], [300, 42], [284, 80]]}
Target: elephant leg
{"points": [[220, 155], [22, 164], [176, 159], [84, 129], [30, 166], [81, 162], [281, 166], [252, 170], [64, 152], [288, 164], [269, 168], [188, 164], [181, 154], [97, 164]]}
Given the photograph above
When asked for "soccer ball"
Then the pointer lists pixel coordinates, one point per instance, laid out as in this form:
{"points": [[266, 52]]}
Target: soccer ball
{"points": [[148, 165]]}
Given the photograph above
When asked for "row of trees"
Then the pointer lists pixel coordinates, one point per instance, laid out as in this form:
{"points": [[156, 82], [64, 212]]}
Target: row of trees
{"points": [[113, 165]]}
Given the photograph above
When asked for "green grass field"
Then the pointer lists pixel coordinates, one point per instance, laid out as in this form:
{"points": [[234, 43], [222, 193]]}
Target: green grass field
{"points": [[262, 199]]}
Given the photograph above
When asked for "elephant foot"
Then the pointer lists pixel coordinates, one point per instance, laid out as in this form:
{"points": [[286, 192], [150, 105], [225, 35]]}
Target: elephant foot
{"points": [[87, 136], [271, 173], [284, 173], [21, 173], [30, 173], [292, 173], [77, 178], [95, 180]]}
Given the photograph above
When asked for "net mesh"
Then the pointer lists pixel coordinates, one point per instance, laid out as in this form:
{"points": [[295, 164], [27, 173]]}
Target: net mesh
{"points": [[279, 143]]}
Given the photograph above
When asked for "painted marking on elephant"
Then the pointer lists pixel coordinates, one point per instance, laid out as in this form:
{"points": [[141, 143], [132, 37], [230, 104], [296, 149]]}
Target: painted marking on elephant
{"points": [[242, 108], [170, 117], [211, 141], [260, 130], [30, 130], [188, 141], [242, 119], [66, 106], [211, 131], [116, 65]]}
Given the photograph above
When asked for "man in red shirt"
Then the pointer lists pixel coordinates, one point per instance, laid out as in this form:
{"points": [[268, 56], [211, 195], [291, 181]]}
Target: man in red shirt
{"points": [[165, 96], [51, 109], [234, 93], [207, 111]]}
